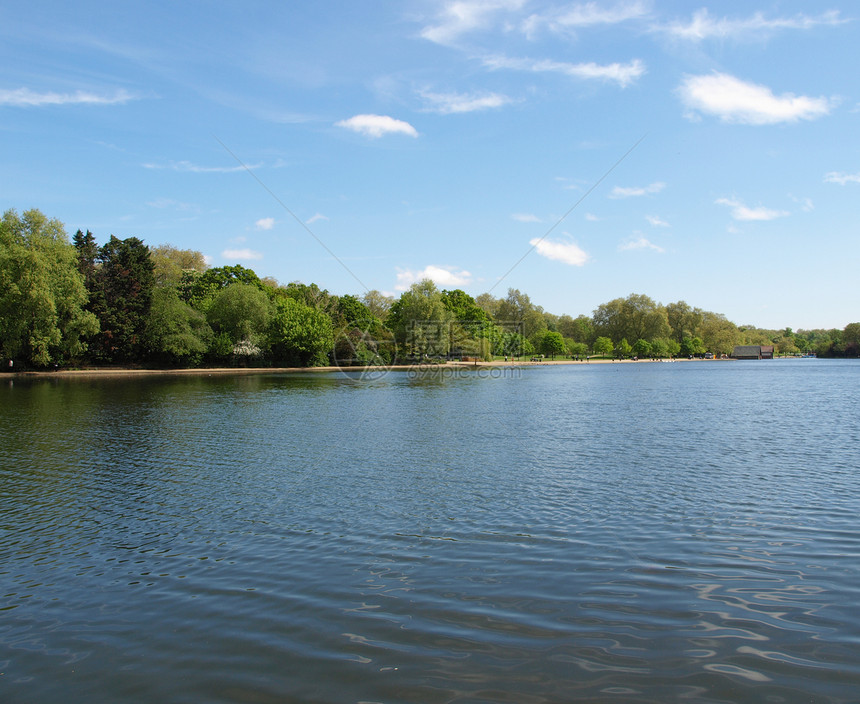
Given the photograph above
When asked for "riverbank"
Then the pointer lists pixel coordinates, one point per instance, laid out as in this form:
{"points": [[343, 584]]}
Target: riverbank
{"points": [[209, 371]]}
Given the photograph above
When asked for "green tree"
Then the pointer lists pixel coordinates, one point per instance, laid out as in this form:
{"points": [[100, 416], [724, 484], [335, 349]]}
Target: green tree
{"points": [[199, 290], [624, 349], [87, 257], [42, 293], [170, 263], [719, 334], [122, 299], [176, 334], [378, 303], [642, 348], [851, 339], [300, 335], [634, 317], [692, 347], [420, 321], [603, 346], [551, 344], [242, 312]]}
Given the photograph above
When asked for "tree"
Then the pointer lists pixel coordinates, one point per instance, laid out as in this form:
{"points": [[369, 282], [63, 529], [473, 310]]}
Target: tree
{"points": [[683, 320], [176, 334], [692, 347], [634, 317], [122, 299], [851, 339], [603, 346], [642, 348], [242, 312], [420, 321], [551, 343], [624, 349], [378, 303], [42, 293], [300, 335], [199, 290], [170, 263], [719, 334], [87, 257]]}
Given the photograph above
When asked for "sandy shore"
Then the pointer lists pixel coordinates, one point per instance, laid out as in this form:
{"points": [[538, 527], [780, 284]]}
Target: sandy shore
{"points": [[127, 372]]}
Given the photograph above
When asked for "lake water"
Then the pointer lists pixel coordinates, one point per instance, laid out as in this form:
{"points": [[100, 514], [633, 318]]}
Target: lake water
{"points": [[605, 533]]}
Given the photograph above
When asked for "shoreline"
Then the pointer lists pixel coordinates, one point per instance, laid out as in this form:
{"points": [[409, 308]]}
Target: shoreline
{"points": [[240, 371]]}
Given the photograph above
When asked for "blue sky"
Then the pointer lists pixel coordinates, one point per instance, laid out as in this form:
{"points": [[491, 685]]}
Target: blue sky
{"points": [[577, 151]]}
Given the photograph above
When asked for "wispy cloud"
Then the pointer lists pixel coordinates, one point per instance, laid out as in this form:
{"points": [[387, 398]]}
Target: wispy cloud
{"points": [[742, 212], [241, 254], [265, 223], [525, 217], [459, 17], [26, 98], [737, 101], [656, 221], [622, 74], [315, 218], [164, 203], [591, 217], [703, 26], [451, 103], [582, 15], [376, 126], [188, 167], [440, 275], [841, 178], [636, 191], [566, 252], [639, 242]]}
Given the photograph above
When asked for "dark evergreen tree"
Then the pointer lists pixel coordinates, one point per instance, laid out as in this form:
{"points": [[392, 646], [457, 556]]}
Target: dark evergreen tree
{"points": [[125, 281]]}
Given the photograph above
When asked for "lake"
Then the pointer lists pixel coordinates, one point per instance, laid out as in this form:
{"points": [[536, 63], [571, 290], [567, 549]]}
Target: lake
{"points": [[595, 533]]}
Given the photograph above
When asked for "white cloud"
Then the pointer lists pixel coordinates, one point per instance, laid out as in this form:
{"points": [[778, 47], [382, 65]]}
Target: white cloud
{"points": [[586, 14], [24, 97], [462, 16], [265, 223], [806, 204], [591, 217], [566, 252], [734, 100], [525, 217], [451, 103], [188, 167], [639, 242], [315, 218], [703, 26], [841, 178], [376, 126], [635, 191], [622, 74], [445, 276], [742, 212], [656, 221], [241, 254]]}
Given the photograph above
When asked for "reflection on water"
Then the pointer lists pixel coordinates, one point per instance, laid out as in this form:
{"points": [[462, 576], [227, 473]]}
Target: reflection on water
{"points": [[629, 533]]}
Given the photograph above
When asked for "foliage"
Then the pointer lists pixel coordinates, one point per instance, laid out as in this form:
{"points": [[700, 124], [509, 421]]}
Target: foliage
{"points": [[42, 293], [300, 335], [420, 321], [176, 334], [634, 317], [551, 343], [241, 311], [692, 347], [122, 298], [603, 346], [170, 263], [199, 290], [642, 348]]}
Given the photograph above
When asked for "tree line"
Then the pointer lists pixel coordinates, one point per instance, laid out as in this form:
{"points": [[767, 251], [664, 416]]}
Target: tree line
{"points": [[125, 303]]}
